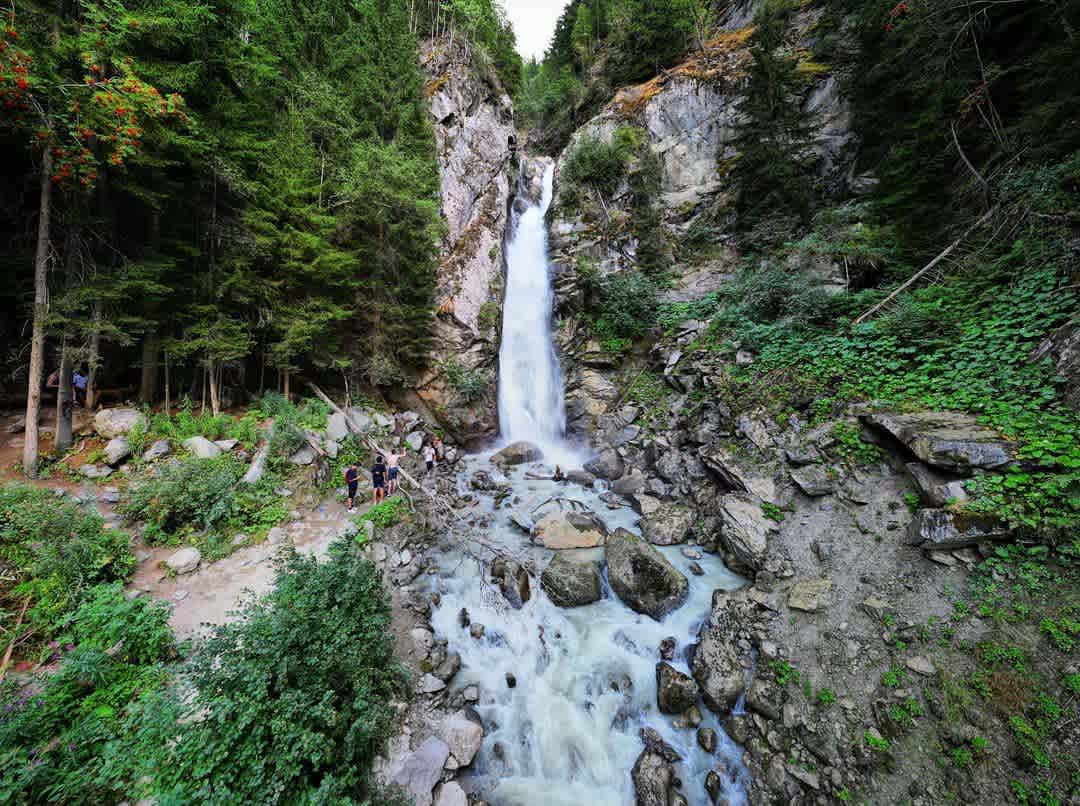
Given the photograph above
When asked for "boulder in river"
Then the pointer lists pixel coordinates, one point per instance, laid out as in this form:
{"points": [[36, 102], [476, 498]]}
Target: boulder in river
{"points": [[716, 665], [571, 584], [935, 529], [111, 423], [606, 465], [642, 577], [947, 439], [570, 530], [668, 525], [463, 736], [653, 774], [582, 477], [676, 692], [518, 453]]}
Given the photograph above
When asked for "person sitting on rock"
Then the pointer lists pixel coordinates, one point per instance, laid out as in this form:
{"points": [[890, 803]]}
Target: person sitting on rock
{"points": [[378, 481]]}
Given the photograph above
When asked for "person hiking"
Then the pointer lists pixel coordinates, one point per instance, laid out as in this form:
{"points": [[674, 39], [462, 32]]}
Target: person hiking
{"points": [[352, 481], [378, 481], [79, 381], [429, 456], [392, 460]]}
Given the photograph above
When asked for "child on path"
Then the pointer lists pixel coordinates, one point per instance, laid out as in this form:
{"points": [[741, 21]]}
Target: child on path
{"points": [[352, 480]]}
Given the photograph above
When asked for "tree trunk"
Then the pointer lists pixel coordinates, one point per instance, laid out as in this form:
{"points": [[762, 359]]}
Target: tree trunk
{"points": [[41, 309], [213, 378], [63, 401], [168, 412], [148, 383], [286, 384], [94, 359]]}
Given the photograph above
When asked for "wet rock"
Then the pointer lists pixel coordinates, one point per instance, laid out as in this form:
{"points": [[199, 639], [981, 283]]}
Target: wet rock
{"points": [[571, 584], [645, 504], [744, 530], [716, 665], [947, 439], [476, 630], [813, 480], [184, 561], [518, 453], [809, 595], [582, 477], [471, 694], [159, 450], [675, 692], [515, 586], [641, 577], [419, 771], [696, 569], [202, 448], [706, 739], [653, 780], [511, 680], [935, 529], [667, 648], [935, 489], [713, 786], [463, 736], [630, 484], [669, 525], [449, 667], [607, 465], [112, 423], [570, 530]]}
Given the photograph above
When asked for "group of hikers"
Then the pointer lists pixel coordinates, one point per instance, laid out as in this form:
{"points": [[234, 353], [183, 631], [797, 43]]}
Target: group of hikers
{"points": [[387, 469]]}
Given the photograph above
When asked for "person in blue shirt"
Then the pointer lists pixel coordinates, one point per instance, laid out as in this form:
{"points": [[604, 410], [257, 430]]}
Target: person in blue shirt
{"points": [[79, 382]]}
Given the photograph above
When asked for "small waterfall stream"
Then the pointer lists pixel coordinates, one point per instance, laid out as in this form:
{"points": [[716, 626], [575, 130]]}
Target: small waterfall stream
{"points": [[568, 731]]}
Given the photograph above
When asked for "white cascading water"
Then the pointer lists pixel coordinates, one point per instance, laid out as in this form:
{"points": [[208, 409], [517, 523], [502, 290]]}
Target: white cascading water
{"points": [[569, 730], [531, 404]]}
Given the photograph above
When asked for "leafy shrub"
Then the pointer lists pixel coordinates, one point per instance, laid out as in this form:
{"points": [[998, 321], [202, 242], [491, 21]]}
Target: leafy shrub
{"points": [[470, 383], [191, 493], [133, 630], [388, 513], [785, 673], [875, 742], [826, 697], [596, 163], [621, 305], [292, 703], [55, 551]]}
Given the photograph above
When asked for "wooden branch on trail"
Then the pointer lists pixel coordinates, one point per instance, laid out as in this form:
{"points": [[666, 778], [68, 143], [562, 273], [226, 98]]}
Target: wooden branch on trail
{"points": [[14, 638], [442, 506], [929, 266]]}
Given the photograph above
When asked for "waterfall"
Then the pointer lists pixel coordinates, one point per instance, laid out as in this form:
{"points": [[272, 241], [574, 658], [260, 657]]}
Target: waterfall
{"points": [[531, 404]]}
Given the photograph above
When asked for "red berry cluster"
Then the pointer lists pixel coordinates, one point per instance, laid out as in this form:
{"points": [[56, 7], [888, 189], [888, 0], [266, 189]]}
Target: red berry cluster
{"points": [[901, 9], [15, 80]]}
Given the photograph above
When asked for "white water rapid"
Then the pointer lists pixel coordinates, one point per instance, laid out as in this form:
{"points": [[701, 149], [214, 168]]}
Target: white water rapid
{"points": [[531, 404], [568, 732]]}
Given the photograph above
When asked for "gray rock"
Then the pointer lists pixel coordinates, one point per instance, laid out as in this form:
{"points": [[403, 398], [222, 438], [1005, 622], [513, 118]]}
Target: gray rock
{"points": [[518, 453], [337, 427], [813, 480], [737, 472], [675, 692], [606, 465], [160, 449], [415, 441], [419, 771], [669, 525], [936, 489], [570, 530], [582, 477], [642, 577], [716, 665], [226, 445], [654, 779], [360, 418], [706, 739], [463, 736], [947, 439], [110, 495], [304, 456], [803, 455], [808, 595], [430, 684], [202, 447], [451, 794], [117, 450], [744, 530], [111, 423], [95, 472], [571, 584], [645, 504], [184, 561], [277, 535], [920, 664], [630, 484], [936, 529]]}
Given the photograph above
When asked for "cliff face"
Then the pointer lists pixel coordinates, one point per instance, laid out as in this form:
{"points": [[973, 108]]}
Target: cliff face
{"points": [[474, 128]]}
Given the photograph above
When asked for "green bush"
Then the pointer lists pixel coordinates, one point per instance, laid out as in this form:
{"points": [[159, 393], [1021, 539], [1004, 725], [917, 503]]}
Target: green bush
{"points": [[621, 305], [471, 384], [133, 630], [597, 163], [290, 704], [388, 513], [55, 550], [191, 493]]}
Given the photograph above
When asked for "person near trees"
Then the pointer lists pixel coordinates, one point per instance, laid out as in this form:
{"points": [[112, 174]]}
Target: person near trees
{"points": [[378, 481], [79, 380], [352, 480], [392, 470], [430, 456]]}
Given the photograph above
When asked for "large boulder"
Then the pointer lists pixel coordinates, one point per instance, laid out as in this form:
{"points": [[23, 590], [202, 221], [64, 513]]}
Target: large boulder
{"points": [[463, 736], [184, 561], [518, 453], [669, 525], [117, 450], [304, 456], [202, 448], [570, 530], [571, 584], [419, 771], [935, 529], [653, 774], [676, 692], [642, 577], [813, 480], [947, 439], [744, 530], [716, 665], [337, 427], [630, 484], [451, 794], [110, 423], [606, 465]]}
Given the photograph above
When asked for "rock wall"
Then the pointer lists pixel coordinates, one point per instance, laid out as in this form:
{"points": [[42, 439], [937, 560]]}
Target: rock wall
{"points": [[473, 121]]}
